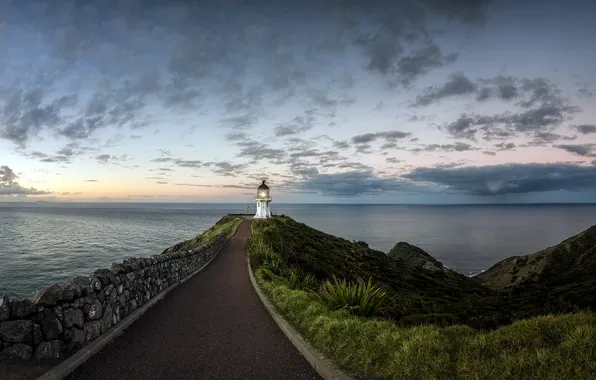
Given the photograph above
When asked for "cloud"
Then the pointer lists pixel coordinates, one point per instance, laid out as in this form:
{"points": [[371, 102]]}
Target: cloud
{"points": [[586, 128], [506, 125], [582, 150], [91, 180], [457, 147], [458, 84], [508, 179], [505, 146], [10, 186], [422, 61], [370, 137], [354, 183]]}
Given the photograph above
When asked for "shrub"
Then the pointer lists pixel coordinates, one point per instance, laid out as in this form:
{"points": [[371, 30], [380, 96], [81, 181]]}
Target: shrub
{"points": [[359, 298]]}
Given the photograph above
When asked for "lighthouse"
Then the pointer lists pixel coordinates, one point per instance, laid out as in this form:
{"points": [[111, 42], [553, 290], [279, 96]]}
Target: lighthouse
{"points": [[263, 199]]}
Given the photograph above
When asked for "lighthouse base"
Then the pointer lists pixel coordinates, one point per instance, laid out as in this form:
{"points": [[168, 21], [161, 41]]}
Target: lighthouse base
{"points": [[263, 209]]}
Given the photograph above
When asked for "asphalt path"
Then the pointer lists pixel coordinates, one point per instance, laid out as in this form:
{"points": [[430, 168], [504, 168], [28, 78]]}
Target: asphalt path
{"points": [[212, 327]]}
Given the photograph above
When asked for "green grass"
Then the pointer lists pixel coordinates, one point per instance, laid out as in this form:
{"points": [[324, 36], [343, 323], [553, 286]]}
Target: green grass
{"points": [[547, 347], [357, 297], [550, 347], [226, 225]]}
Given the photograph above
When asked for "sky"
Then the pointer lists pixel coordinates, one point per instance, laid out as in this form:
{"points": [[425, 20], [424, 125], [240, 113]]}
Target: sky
{"points": [[347, 101]]}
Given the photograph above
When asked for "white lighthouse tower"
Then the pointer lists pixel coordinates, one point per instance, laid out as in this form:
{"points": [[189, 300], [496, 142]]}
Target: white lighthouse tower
{"points": [[263, 199]]}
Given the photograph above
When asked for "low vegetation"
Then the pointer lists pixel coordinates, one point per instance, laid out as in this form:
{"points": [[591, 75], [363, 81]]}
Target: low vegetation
{"points": [[226, 225], [406, 332]]}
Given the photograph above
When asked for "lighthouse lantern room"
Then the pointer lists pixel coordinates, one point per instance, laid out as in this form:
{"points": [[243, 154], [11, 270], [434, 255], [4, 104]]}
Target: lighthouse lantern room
{"points": [[263, 199]]}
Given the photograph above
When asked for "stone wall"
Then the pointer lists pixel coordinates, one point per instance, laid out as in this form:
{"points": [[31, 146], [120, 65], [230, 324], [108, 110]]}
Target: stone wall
{"points": [[61, 319]]}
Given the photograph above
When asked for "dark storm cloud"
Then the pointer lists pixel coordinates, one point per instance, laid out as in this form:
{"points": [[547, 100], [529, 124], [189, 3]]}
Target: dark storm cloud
{"points": [[508, 179], [10, 186], [586, 128]]}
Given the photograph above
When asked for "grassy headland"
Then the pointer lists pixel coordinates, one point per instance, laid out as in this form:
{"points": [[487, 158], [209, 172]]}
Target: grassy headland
{"points": [[226, 225], [432, 324]]}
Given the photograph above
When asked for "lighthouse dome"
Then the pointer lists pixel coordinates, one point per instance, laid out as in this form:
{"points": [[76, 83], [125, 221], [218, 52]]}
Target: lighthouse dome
{"points": [[263, 191]]}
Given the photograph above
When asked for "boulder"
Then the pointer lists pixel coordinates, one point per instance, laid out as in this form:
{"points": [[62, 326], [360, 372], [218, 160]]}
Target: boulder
{"points": [[107, 319], [93, 311], [22, 308], [4, 308], [17, 351], [54, 294], [50, 350], [19, 331], [50, 325], [92, 330], [76, 338], [73, 317]]}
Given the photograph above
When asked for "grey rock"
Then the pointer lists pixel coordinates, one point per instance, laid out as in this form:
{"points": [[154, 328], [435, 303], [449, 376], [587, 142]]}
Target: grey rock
{"points": [[73, 317], [78, 303], [19, 331], [50, 325], [96, 284], [59, 312], [22, 308], [122, 300], [54, 294], [18, 351], [101, 296], [117, 268], [50, 350], [37, 334], [4, 308], [93, 311], [90, 299], [82, 280], [107, 319], [77, 338], [92, 330]]}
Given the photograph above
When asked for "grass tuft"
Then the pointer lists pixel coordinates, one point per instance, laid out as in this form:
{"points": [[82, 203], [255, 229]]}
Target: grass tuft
{"points": [[358, 298]]}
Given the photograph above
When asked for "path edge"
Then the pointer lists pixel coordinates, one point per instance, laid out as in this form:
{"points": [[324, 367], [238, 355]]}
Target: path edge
{"points": [[320, 363], [70, 364]]}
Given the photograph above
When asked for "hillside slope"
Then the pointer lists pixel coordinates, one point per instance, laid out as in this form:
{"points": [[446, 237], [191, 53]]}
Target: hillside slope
{"points": [[563, 275], [422, 290], [417, 293]]}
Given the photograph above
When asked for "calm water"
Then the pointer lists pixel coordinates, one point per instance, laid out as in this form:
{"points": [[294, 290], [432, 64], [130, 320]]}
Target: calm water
{"points": [[41, 244]]}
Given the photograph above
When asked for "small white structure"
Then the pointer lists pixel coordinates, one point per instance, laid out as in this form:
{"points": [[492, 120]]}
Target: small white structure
{"points": [[263, 199]]}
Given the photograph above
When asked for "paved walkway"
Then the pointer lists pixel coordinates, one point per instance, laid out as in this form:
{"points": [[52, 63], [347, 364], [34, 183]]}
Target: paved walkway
{"points": [[212, 327]]}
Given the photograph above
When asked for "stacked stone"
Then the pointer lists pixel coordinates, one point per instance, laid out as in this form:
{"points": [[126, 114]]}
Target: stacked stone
{"points": [[61, 319]]}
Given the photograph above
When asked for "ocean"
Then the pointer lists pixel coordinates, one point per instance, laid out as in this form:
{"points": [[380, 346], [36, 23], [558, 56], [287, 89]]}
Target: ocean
{"points": [[46, 243]]}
